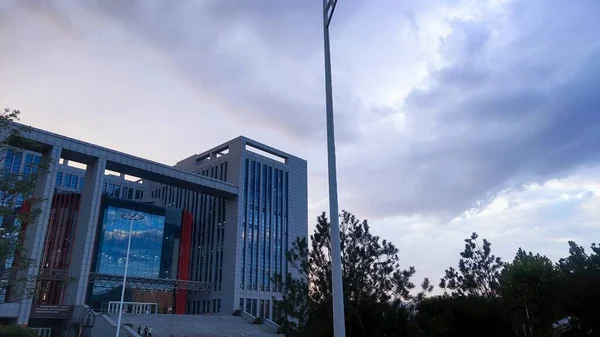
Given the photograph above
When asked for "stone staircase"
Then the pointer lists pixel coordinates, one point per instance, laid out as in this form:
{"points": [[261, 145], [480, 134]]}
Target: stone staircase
{"points": [[194, 326], [106, 327]]}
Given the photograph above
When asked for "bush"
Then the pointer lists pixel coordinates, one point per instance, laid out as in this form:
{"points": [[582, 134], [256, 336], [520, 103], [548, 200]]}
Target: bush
{"points": [[258, 320], [237, 312], [16, 331], [129, 325]]}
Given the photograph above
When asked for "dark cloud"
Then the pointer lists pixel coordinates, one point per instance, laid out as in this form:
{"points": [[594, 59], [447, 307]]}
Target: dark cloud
{"points": [[515, 106], [263, 58]]}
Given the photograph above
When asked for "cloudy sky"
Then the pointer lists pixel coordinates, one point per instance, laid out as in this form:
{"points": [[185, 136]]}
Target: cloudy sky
{"points": [[452, 116]]}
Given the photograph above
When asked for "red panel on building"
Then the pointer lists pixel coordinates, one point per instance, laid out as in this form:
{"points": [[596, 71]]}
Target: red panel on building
{"points": [[184, 260], [58, 244]]}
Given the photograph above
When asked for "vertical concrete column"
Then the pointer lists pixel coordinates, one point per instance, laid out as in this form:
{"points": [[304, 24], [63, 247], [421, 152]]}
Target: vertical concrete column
{"points": [[35, 235], [85, 236], [230, 264], [297, 205]]}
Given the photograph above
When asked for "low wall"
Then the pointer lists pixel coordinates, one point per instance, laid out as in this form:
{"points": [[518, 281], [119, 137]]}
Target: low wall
{"points": [[269, 324]]}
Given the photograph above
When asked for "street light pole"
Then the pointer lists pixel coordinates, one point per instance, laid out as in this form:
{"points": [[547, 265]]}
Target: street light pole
{"points": [[339, 328], [131, 217]]}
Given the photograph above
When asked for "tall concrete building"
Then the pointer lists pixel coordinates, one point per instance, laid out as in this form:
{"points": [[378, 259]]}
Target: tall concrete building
{"points": [[213, 231], [240, 261]]}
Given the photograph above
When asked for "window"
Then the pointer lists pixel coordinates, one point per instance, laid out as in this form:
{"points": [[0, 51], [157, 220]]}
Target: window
{"points": [[130, 194], [261, 311], [31, 164], [219, 305], [149, 233], [8, 159], [268, 309], [81, 181], [111, 189], [67, 180], [241, 303], [248, 305], [74, 182], [16, 164], [59, 176], [138, 194]]}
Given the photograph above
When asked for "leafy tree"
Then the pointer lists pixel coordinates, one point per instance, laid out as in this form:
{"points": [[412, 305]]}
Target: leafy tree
{"points": [[529, 286], [16, 331], [375, 287], [463, 316], [292, 312], [580, 294], [478, 271], [17, 207]]}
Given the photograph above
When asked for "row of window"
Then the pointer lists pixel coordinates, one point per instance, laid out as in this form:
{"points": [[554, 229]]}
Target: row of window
{"points": [[68, 180], [209, 236], [13, 161], [257, 308], [204, 307], [122, 192], [208, 230], [264, 233]]}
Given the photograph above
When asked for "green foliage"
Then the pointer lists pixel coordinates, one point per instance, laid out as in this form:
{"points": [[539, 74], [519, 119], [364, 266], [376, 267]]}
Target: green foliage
{"points": [[482, 297], [237, 312], [374, 284], [16, 187], [528, 288], [579, 292], [463, 316], [258, 321], [478, 271], [16, 331]]}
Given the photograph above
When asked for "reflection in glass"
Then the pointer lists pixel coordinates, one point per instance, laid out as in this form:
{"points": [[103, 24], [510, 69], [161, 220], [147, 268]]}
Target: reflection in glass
{"points": [[146, 244], [155, 242]]}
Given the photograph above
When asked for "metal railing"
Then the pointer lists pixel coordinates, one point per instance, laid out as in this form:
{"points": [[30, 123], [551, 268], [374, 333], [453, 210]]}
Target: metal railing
{"points": [[146, 283], [42, 332]]}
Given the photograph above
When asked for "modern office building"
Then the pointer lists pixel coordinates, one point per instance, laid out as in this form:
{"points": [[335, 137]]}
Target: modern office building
{"points": [[208, 234]]}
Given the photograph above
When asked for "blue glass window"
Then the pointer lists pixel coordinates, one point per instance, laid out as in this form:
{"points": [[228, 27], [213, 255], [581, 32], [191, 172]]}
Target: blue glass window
{"points": [[146, 244], [67, 180], [111, 189], [16, 164], [32, 163], [8, 160], [59, 176], [73, 182]]}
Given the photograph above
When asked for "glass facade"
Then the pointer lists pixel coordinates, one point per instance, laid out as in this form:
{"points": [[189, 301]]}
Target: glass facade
{"points": [[264, 235], [154, 243], [146, 244], [208, 230]]}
